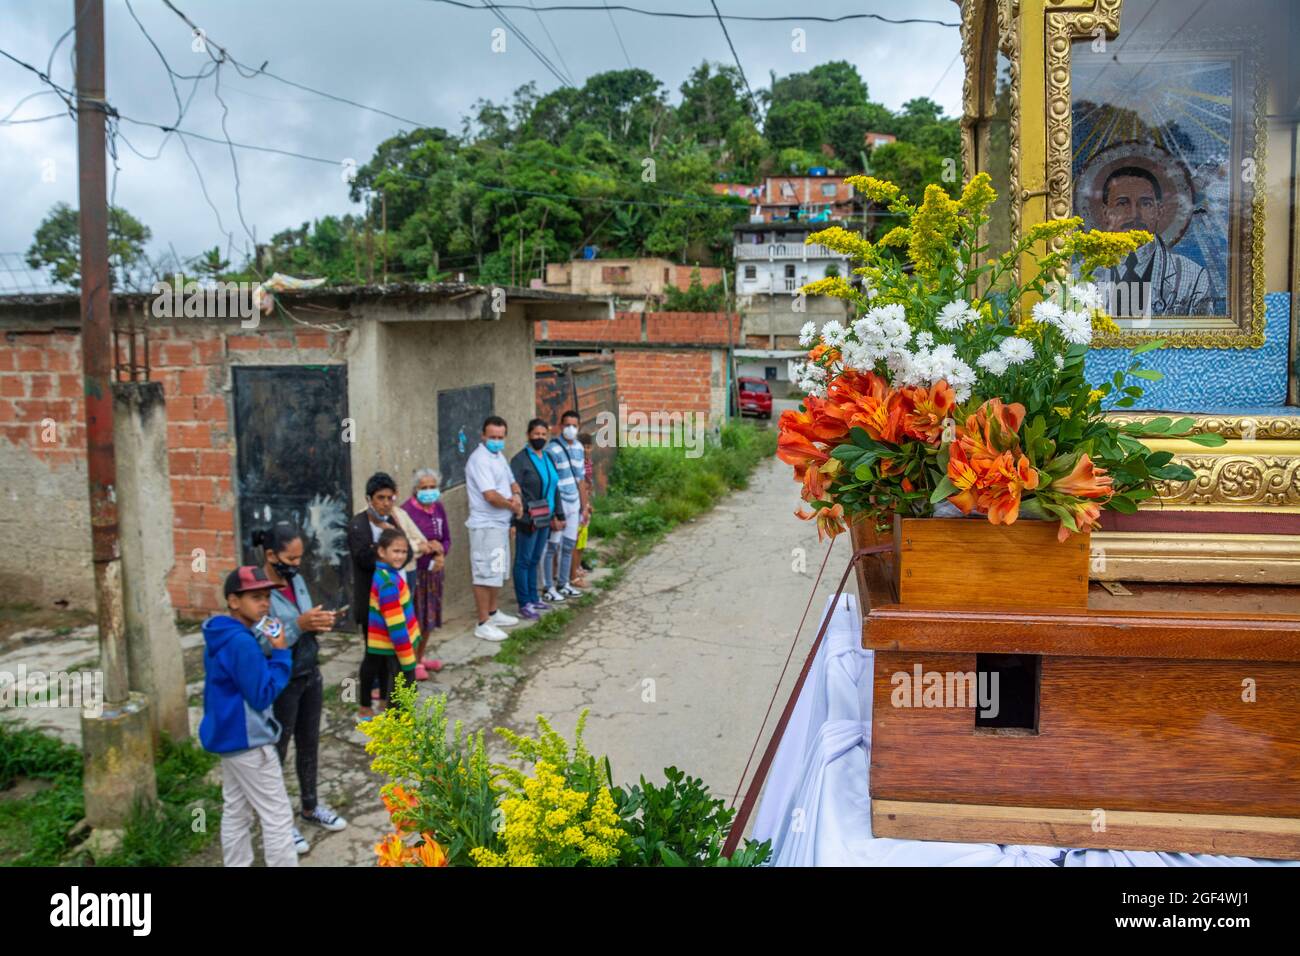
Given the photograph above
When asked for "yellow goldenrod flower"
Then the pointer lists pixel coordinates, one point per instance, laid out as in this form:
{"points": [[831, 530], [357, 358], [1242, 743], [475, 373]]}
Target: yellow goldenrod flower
{"points": [[1051, 229], [933, 227], [1104, 249], [897, 238], [978, 194], [877, 190], [1103, 323], [835, 286], [842, 240]]}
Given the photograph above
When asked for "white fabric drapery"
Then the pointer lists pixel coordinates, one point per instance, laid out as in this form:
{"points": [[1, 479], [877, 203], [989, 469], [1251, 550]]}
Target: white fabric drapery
{"points": [[815, 806]]}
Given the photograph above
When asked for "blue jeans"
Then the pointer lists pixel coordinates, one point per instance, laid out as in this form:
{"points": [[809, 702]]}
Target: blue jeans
{"points": [[561, 544], [528, 555]]}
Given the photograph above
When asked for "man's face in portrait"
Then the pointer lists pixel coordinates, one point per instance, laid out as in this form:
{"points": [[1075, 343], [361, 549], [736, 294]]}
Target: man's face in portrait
{"points": [[1131, 203]]}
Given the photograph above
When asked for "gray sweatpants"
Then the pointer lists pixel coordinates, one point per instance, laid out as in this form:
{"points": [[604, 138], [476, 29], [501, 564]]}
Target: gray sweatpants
{"points": [[252, 782]]}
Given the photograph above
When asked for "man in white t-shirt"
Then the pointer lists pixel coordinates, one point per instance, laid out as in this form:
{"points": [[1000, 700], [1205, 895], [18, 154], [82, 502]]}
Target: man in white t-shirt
{"points": [[568, 456], [493, 499]]}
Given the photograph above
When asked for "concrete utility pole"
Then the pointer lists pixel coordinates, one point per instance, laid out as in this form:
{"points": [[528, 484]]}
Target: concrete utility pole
{"points": [[117, 744]]}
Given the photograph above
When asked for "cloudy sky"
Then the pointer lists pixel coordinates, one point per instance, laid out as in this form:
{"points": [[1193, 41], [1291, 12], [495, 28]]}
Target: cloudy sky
{"points": [[423, 60]]}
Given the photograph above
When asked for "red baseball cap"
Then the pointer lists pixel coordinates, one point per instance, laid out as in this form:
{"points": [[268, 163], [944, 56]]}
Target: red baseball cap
{"points": [[248, 578]]}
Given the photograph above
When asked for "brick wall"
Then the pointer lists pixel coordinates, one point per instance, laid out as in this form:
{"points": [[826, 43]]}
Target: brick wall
{"points": [[41, 382], [675, 328], [665, 380]]}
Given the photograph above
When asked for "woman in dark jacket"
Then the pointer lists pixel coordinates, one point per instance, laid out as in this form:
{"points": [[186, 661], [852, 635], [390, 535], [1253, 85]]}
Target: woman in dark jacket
{"points": [[538, 486], [298, 708]]}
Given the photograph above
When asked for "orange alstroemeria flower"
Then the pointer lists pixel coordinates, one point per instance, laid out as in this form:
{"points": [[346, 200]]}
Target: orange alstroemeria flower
{"points": [[1086, 515], [1086, 480], [430, 852], [991, 485], [795, 449], [830, 521], [865, 400], [392, 851], [929, 408], [815, 423]]}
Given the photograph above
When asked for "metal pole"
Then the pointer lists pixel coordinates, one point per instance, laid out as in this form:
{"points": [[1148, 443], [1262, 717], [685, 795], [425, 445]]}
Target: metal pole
{"points": [[97, 347]]}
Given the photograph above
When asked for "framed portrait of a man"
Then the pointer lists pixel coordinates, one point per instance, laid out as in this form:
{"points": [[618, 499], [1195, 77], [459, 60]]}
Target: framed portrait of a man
{"points": [[1167, 138]]}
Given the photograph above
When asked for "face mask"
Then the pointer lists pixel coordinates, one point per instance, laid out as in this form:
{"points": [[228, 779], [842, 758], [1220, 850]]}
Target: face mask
{"points": [[427, 496], [286, 571], [537, 443], [495, 445], [570, 432], [377, 516]]}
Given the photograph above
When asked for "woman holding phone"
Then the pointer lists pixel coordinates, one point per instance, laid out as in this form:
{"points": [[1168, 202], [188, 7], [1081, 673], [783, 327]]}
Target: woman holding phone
{"points": [[298, 708]]}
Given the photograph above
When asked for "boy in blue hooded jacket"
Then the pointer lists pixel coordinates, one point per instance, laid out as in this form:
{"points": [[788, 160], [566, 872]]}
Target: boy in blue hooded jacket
{"points": [[240, 683]]}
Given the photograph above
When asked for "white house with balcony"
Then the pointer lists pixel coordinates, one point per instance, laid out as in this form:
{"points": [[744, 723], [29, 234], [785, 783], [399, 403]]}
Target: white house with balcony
{"points": [[772, 263]]}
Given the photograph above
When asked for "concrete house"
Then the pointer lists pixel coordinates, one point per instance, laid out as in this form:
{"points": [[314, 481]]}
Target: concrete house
{"points": [[284, 420]]}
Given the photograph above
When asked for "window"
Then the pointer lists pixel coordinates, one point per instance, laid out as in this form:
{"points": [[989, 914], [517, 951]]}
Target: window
{"points": [[789, 271], [755, 386], [828, 189], [616, 275], [751, 272]]}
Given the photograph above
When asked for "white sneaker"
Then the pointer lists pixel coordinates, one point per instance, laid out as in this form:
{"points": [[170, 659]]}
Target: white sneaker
{"points": [[554, 596], [502, 619], [570, 591], [300, 842], [489, 631]]}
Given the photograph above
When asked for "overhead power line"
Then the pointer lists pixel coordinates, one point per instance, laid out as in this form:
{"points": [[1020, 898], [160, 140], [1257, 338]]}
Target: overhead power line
{"points": [[668, 14], [736, 56]]}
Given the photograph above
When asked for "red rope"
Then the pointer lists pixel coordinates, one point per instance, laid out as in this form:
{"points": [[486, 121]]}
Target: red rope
{"points": [[760, 775], [789, 654]]}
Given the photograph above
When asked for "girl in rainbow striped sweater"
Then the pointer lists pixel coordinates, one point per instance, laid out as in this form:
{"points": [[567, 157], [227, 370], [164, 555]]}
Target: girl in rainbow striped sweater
{"points": [[392, 630]]}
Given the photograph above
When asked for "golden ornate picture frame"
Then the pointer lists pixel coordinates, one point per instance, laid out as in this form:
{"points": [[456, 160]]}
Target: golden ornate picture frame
{"points": [[1244, 325]]}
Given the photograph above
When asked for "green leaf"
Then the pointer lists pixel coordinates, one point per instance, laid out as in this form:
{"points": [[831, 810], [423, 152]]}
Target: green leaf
{"points": [[1122, 504], [1150, 374], [1207, 439], [1159, 458], [1148, 346], [944, 489]]}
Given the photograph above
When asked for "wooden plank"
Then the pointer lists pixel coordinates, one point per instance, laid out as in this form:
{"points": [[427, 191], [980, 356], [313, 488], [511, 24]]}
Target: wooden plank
{"points": [[1275, 838], [965, 563], [1121, 734], [1194, 635]]}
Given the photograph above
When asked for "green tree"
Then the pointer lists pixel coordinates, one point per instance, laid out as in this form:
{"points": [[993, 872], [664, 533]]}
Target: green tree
{"points": [[210, 263], [697, 297], [833, 84], [56, 246]]}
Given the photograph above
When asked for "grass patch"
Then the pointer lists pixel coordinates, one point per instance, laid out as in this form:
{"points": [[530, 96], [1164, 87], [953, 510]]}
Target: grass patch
{"points": [[34, 829]]}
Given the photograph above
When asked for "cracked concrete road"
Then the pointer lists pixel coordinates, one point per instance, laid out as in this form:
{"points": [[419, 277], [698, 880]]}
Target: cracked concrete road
{"points": [[679, 662]]}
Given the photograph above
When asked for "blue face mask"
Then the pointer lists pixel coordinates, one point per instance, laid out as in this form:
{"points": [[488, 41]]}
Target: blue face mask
{"points": [[427, 496], [495, 445]]}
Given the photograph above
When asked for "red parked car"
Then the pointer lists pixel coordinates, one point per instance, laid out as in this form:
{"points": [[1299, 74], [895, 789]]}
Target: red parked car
{"points": [[755, 397]]}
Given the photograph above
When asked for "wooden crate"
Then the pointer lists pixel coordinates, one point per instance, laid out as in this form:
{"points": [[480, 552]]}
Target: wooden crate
{"points": [[1145, 735]]}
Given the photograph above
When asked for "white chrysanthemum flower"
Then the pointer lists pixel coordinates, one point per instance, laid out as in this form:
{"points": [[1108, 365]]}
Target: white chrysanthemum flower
{"points": [[808, 334], [1016, 350], [995, 363], [1047, 312], [833, 333], [954, 315], [924, 340], [892, 311], [961, 378], [1059, 362], [1086, 295], [1076, 327]]}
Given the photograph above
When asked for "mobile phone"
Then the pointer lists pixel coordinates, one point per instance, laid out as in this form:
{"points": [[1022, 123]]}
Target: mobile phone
{"points": [[339, 612]]}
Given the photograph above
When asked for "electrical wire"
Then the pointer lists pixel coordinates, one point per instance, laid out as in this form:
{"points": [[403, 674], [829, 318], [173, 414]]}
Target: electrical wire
{"points": [[579, 8], [722, 23]]}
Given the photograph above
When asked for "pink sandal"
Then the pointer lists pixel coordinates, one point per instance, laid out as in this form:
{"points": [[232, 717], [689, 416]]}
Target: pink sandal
{"points": [[421, 673], [431, 664]]}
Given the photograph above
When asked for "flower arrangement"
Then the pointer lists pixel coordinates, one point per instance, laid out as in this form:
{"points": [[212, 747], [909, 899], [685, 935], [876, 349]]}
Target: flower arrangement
{"points": [[949, 392], [449, 807]]}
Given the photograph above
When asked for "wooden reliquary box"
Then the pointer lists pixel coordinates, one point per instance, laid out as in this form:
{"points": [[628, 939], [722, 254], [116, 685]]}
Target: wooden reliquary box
{"points": [[1015, 702]]}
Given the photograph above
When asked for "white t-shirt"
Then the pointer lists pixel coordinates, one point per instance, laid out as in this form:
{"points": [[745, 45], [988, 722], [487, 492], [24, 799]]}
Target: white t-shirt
{"points": [[485, 471]]}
